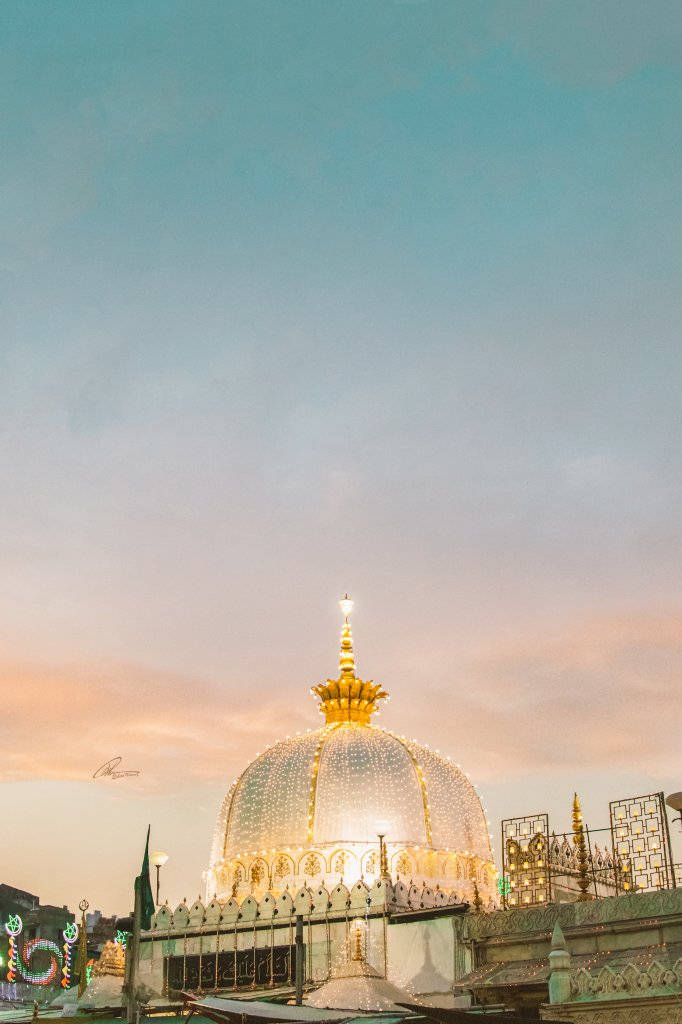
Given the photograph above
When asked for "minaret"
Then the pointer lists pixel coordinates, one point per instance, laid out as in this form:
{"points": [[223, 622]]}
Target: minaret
{"points": [[348, 698]]}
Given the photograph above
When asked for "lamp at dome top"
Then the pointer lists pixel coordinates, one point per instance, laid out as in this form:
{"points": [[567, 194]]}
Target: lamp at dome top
{"points": [[346, 604]]}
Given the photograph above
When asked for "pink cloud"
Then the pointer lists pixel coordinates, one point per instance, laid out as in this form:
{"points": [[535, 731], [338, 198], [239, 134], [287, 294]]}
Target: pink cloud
{"points": [[65, 721], [593, 695]]}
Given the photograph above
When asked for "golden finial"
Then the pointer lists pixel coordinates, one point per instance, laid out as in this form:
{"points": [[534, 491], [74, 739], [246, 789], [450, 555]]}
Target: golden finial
{"points": [[346, 657], [580, 849], [348, 699]]}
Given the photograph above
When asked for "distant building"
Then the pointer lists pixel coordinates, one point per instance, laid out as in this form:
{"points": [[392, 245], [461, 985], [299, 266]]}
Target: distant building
{"points": [[100, 930], [40, 921]]}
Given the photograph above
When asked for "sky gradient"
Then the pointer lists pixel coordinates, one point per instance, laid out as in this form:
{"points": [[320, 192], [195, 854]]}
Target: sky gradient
{"points": [[304, 297]]}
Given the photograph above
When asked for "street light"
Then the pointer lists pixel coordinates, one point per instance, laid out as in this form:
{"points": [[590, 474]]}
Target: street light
{"points": [[158, 859]]}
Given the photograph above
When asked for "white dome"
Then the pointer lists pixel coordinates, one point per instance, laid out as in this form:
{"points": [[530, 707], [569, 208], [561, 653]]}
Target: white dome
{"points": [[356, 781], [312, 806]]}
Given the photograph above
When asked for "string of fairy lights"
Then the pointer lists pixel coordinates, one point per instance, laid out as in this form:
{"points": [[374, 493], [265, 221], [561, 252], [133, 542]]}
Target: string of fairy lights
{"points": [[310, 807], [344, 783], [19, 962]]}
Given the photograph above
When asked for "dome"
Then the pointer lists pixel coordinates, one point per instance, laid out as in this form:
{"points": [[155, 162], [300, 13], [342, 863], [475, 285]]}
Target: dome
{"points": [[311, 808]]}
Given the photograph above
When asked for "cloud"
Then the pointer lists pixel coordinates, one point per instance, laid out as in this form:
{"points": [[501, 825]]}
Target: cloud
{"points": [[596, 695], [65, 721], [588, 44]]}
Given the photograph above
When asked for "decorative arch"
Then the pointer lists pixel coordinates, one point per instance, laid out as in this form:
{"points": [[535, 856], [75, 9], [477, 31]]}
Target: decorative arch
{"points": [[258, 872], [311, 864], [282, 865], [370, 863], [403, 864], [342, 861]]}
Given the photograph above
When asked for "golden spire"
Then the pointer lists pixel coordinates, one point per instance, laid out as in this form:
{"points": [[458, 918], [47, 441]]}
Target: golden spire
{"points": [[348, 699], [580, 849], [346, 656]]}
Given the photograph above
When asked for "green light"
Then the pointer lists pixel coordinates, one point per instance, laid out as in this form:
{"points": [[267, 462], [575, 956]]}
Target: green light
{"points": [[503, 886]]}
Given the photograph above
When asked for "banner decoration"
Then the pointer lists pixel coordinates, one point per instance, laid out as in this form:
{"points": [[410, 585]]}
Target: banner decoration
{"points": [[39, 977], [70, 935], [13, 928]]}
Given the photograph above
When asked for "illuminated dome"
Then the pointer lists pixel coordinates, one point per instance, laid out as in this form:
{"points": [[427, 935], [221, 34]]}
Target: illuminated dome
{"points": [[311, 809]]}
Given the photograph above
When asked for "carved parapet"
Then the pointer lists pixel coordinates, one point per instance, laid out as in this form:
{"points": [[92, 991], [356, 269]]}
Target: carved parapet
{"points": [[630, 981], [632, 906], [316, 902]]}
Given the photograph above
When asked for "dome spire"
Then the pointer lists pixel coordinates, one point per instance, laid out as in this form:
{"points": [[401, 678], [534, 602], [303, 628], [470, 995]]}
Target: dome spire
{"points": [[348, 699], [346, 656]]}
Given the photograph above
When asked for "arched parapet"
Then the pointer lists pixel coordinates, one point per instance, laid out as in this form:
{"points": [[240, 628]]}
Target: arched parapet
{"points": [[428, 898], [605, 980], [380, 893], [181, 916], [213, 912], [197, 914], [267, 906], [321, 900], [230, 912], [359, 895], [163, 919], [414, 897], [581, 981], [400, 892], [248, 910], [440, 898], [339, 897], [285, 905], [303, 901]]}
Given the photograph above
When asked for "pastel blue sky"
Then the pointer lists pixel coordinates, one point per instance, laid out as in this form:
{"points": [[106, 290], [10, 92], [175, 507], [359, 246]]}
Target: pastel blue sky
{"points": [[300, 297]]}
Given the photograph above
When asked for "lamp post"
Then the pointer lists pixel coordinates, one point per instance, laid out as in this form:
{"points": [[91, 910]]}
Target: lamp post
{"points": [[158, 859]]}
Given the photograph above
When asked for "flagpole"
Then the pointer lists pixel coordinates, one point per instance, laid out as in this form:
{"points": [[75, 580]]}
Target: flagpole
{"points": [[132, 956]]}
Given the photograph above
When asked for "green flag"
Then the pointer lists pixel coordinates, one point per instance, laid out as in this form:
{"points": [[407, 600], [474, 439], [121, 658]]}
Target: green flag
{"points": [[146, 897]]}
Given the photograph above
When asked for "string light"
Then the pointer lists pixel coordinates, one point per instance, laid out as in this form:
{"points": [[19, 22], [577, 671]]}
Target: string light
{"points": [[13, 928], [39, 977], [331, 790], [70, 934]]}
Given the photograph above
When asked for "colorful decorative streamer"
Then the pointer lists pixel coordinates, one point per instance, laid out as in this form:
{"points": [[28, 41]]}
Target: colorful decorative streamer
{"points": [[88, 971], [122, 938], [39, 977], [70, 935], [13, 928]]}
